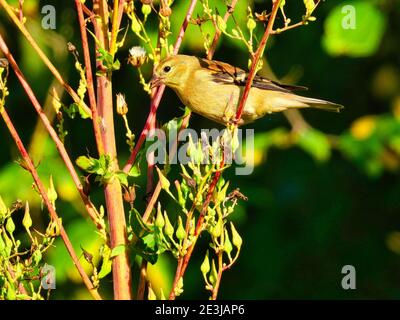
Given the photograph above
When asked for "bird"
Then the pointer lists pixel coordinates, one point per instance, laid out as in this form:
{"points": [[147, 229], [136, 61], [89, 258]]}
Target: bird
{"points": [[213, 89]]}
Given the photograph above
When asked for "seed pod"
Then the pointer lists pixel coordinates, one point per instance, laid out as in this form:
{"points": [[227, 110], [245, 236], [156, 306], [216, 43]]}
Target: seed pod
{"points": [[168, 228], [205, 266], [27, 220], [122, 106], [159, 223], [180, 231]]}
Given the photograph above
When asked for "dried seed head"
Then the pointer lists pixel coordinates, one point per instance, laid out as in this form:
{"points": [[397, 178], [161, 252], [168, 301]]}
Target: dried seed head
{"points": [[148, 2], [122, 106], [137, 56], [165, 9], [3, 63]]}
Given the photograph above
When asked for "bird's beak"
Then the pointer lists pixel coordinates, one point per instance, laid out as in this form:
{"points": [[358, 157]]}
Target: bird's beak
{"points": [[155, 82]]}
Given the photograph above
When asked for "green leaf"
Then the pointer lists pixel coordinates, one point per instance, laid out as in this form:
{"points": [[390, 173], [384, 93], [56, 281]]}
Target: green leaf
{"points": [[116, 251], [106, 263], [135, 170], [122, 177], [315, 143], [354, 29], [138, 225], [310, 5], [205, 266], [147, 248], [88, 164]]}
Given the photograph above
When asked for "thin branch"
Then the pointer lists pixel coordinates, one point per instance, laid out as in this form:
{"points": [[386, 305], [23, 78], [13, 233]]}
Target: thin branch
{"points": [[219, 276], [218, 32], [116, 21], [182, 265], [90, 208], [183, 262], [89, 78], [43, 56], [257, 56], [158, 95], [31, 167], [112, 189]]}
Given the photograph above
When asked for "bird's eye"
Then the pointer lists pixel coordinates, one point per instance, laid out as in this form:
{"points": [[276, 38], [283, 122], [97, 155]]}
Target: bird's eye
{"points": [[167, 69]]}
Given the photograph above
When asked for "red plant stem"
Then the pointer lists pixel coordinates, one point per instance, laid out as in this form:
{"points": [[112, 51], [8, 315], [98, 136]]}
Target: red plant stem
{"points": [[158, 95], [20, 12], [157, 190], [42, 55], [116, 21], [112, 189], [31, 167], [89, 78], [142, 280], [184, 26], [257, 56], [218, 32], [182, 265], [90, 208], [187, 118], [184, 261], [219, 276], [149, 190]]}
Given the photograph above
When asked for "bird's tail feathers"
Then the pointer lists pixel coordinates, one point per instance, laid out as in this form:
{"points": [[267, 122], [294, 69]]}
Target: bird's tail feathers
{"points": [[320, 104]]}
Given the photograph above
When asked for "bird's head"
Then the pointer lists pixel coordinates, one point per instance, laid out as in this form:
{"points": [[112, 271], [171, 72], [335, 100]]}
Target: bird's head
{"points": [[173, 71]]}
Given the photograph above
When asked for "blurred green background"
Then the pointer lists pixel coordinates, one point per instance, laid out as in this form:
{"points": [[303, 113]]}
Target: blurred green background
{"points": [[331, 198]]}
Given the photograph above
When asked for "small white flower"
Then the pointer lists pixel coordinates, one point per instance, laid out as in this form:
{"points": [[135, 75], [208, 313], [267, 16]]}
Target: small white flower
{"points": [[137, 56]]}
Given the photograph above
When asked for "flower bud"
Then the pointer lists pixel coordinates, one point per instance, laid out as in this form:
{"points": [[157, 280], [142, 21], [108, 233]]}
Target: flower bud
{"points": [[10, 226], [228, 245], [180, 231], [159, 223], [27, 220], [168, 228], [218, 229], [205, 266], [236, 238], [165, 10], [122, 106], [146, 9]]}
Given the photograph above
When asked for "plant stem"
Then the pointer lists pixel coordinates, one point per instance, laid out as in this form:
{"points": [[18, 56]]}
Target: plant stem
{"points": [[219, 277], [42, 56], [112, 190], [257, 56], [218, 32], [89, 78], [90, 208], [31, 167], [158, 95], [116, 21], [149, 190], [184, 261], [182, 265]]}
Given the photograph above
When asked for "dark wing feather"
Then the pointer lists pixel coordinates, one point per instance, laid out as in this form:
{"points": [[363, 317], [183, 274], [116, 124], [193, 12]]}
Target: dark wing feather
{"points": [[225, 73]]}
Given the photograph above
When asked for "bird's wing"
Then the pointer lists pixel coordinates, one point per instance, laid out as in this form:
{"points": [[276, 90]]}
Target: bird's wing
{"points": [[227, 74]]}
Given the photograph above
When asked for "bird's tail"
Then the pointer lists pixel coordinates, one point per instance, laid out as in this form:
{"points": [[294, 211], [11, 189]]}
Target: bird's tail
{"points": [[319, 104]]}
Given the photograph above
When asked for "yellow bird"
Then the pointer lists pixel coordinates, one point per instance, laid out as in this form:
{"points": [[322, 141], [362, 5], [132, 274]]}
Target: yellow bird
{"points": [[213, 89]]}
